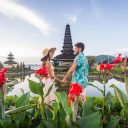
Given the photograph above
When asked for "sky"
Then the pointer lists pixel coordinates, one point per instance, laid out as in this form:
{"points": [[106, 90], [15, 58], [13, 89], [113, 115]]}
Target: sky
{"points": [[29, 26]]}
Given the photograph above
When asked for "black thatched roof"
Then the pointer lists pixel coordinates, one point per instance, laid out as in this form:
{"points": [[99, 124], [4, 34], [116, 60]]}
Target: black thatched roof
{"points": [[10, 62], [65, 56]]}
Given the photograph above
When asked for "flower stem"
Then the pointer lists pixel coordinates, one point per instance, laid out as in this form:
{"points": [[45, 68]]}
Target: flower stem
{"points": [[104, 93], [2, 101]]}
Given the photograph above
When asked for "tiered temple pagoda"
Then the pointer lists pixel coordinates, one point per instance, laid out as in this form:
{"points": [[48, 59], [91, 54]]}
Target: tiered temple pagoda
{"points": [[67, 56], [10, 59]]}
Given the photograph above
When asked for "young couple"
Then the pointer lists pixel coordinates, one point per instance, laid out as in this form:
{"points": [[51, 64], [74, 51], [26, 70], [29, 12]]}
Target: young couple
{"points": [[78, 70]]}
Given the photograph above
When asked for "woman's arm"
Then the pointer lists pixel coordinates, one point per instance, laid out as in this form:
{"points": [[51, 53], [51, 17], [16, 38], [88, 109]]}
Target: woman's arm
{"points": [[50, 71]]}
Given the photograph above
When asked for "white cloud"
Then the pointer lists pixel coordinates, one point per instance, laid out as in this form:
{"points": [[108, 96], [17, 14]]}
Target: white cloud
{"points": [[96, 10], [13, 9], [71, 18]]}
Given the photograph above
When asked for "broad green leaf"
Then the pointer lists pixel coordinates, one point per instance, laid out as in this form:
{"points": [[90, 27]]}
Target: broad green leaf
{"points": [[113, 121], [68, 121], [50, 124], [20, 109], [20, 116], [55, 107], [57, 97], [23, 100], [93, 120], [120, 96], [64, 101], [36, 88], [109, 101], [48, 113], [109, 98], [87, 106]]}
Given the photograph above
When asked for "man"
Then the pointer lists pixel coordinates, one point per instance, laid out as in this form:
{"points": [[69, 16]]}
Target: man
{"points": [[79, 72], [79, 69]]}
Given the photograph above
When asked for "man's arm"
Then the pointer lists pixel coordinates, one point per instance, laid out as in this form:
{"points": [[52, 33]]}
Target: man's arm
{"points": [[69, 73]]}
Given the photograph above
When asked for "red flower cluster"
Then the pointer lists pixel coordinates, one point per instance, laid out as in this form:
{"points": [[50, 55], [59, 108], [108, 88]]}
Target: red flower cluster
{"points": [[104, 67], [118, 59], [74, 90], [109, 67], [42, 71], [2, 76]]}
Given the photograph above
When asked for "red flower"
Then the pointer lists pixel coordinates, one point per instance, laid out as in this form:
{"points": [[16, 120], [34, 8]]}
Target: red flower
{"points": [[118, 59], [109, 67], [2, 76], [71, 98], [104, 67], [74, 90], [42, 71]]}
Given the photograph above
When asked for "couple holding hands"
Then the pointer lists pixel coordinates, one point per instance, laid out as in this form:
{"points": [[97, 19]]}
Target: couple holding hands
{"points": [[78, 70]]}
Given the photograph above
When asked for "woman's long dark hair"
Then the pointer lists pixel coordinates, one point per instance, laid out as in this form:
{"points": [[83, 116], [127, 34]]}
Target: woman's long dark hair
{"points": [[44, 59]]}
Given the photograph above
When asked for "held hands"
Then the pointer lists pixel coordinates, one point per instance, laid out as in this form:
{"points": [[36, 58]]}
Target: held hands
{"points": [[63, 81]]}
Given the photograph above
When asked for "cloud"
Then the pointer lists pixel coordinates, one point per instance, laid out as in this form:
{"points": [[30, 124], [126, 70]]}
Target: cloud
{"points": [[96, 10], [11, 8], [71, 18]]}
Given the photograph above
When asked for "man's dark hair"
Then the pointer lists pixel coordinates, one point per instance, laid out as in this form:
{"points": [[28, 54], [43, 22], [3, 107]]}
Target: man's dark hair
{"points": [[80, 45]]}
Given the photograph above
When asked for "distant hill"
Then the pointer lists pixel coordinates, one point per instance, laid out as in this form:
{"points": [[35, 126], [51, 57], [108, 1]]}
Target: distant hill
{"points": [[104, 59]]}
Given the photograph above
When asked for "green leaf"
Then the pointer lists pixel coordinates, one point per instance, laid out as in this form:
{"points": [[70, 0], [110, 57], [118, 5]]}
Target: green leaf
{"points": [[55, 107], [20, 109], [23, 100], [64, 100], [36, 88], [120, 96], [109, 102], [87, 106], [48, 113], [50, 88], [57, 97], [93, 120], [113, 121], [50, 124], [68, 121], [96, 88]]}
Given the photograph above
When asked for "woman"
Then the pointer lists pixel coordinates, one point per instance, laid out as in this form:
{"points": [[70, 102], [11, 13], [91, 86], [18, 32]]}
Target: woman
{"points": [[49, 77]]}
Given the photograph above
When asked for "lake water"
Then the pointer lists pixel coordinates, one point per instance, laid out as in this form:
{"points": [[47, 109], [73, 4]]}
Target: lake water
{"points": [[91, 91]]}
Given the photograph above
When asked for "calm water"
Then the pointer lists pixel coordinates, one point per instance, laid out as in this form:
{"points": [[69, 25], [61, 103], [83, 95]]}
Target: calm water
{"points": [[91, 91]]}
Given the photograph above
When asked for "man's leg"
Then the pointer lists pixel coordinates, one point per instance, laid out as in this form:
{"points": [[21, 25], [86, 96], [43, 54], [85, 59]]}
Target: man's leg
{"points": [[83, 95], [75, 110]]}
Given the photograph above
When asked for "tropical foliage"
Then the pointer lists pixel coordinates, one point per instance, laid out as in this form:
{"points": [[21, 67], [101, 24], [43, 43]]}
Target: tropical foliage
{"points": [[111, 111]]}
